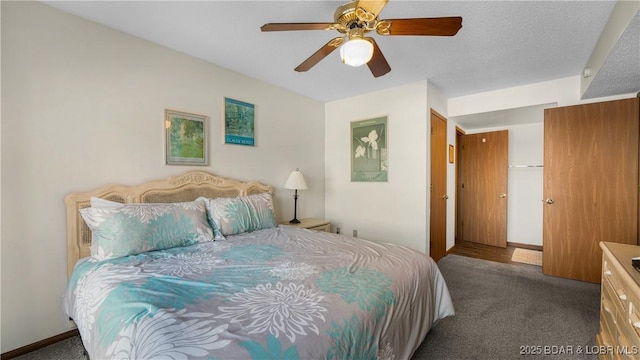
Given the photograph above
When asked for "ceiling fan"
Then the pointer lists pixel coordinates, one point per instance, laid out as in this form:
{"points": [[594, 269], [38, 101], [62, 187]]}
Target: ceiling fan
{"points": [[357, 18]]}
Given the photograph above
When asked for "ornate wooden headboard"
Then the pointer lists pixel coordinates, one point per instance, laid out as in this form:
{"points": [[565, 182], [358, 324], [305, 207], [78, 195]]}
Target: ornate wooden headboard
{"points": [[185, 187]]}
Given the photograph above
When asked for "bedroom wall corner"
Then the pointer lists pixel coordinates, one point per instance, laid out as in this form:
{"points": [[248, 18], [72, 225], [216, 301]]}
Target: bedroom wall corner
{"points": [[392, 211], [82, 107]]}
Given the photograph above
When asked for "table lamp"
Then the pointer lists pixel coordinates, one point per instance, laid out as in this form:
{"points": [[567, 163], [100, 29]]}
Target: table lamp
{"points": [[295, 182]]}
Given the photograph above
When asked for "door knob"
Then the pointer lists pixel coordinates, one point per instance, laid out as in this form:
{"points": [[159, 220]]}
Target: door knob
{"points": [[549, 201], [445, 197], [503, 195]]}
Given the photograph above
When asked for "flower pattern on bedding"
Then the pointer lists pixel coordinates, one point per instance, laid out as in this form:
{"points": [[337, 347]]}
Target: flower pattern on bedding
{"points": [[288, 309], [277, 293], [146, 213], [248, 253], [94, 288], [147, 338], [293, 271], [386, 352], [273, 350], [183, 264], [352, 337], [368, 288]]}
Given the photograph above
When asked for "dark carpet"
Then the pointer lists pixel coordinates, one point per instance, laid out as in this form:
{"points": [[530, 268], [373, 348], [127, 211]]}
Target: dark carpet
{"points": [[512, 311], [503, 311]]}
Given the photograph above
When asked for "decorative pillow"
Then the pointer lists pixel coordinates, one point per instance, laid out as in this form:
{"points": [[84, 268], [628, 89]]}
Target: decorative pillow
{"points": [[241, 214], [99, 202], [128, 229]]}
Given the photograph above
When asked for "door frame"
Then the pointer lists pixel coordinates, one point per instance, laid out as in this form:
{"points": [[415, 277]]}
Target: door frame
{"points": [[457, 203]]}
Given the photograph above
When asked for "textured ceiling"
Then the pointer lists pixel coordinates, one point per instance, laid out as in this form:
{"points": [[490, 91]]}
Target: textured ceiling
{"points": [[620, 74], [501, 43]]}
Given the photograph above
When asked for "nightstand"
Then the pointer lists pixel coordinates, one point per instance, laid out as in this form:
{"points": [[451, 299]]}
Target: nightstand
{"points": [[312, 224]]}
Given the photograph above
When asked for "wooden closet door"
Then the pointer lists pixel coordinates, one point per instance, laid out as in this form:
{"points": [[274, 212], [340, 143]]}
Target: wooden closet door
{"points": [[484, 163], [438, 212], [590, 185]]}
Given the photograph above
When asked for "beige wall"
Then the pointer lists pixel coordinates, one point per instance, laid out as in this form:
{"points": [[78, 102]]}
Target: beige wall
{"points": [[394, 211], [563, 92], [82, 107]]}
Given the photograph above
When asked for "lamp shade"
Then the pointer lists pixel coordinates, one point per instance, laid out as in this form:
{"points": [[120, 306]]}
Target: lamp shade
{"points": [[296, 181], [356, 52]]}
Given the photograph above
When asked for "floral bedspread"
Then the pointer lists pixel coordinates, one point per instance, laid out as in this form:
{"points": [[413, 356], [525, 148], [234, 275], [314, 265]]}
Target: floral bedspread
{"points": [[280, 293]]}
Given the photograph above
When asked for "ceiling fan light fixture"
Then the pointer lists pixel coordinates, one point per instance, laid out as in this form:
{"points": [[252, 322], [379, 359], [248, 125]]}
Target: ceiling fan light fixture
{"points": [[356, 52]]}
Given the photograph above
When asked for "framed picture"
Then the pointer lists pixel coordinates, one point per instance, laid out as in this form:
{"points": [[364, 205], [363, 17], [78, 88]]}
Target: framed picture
{"points": [[451, 155], [185, 138], [239, 122], [369, 150]]}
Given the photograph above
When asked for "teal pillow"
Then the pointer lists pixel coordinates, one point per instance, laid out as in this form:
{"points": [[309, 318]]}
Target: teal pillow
{"points": [[241, 214], [128, 229]]}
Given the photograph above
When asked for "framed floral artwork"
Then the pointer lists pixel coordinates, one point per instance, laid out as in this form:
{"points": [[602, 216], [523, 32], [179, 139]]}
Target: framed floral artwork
{"points": [[185, 138], [369, 162]]}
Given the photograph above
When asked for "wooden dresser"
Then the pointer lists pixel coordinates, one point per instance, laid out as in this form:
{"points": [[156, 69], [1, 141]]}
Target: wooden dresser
{"points": [[619, 336]]}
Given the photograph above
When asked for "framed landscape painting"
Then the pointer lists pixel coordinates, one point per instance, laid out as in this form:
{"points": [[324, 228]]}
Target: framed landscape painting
{"points": [[369, 150], [185, 138], [239, 122]]}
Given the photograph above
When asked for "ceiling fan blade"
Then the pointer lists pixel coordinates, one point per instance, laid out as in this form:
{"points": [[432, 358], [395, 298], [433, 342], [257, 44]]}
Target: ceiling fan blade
{"points": [[444, 26], [373, 7], [378, 64], [320, 54], [297, 26]]}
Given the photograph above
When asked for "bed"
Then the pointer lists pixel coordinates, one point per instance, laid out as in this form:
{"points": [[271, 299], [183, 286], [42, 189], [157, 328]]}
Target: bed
{"points": [[256, 290]]}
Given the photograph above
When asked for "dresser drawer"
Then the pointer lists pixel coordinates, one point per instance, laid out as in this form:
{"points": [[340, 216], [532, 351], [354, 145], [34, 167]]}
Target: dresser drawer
{"points": [[620, 302], [611, 278], [629, 329], [608, 316]]}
